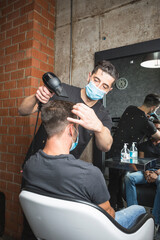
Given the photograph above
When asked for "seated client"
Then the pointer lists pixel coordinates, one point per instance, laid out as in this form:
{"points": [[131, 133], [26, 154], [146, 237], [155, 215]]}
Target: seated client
{"points": [[150, 148], [54, 171]]}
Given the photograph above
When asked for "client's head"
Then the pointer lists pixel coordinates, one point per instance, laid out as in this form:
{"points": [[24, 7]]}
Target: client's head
{"points": [[54, 116]]}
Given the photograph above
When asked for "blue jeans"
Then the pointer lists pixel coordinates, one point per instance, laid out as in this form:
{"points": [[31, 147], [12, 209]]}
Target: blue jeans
{"points": [[134, 178], [128, 216]]}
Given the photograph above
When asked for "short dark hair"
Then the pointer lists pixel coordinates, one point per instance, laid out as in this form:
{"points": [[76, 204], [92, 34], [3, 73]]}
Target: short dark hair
{"points": [[152, 100], [54, 116], [107, 67]]}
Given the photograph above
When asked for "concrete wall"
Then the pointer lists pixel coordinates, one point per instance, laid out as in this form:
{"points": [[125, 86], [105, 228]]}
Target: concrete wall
{"points": [[99, 25]]}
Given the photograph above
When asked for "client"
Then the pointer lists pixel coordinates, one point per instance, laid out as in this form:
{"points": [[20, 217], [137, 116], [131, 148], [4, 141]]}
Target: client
{"points": [[54, 171]]}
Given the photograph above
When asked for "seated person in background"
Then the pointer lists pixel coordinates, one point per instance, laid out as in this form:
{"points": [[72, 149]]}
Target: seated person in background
{"points": [[150, 148], [53, 170]]}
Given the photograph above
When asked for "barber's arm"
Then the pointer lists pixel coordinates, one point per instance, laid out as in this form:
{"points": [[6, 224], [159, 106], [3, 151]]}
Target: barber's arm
{"points": [[107, 207], [89, 120], [30, 103]]}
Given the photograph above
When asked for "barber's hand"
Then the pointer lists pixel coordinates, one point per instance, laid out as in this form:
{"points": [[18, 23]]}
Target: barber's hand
{"points": [[43, 94], [87, 117]]}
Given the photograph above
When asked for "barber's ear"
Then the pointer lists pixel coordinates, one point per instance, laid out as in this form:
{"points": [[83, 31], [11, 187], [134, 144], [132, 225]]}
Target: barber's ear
{"points": [[71, 129], [89, 75]]}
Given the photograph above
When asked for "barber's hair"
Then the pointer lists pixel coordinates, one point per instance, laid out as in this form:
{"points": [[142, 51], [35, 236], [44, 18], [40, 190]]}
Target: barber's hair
{"points": [[54, 116], [107, 67], [152, 100]]}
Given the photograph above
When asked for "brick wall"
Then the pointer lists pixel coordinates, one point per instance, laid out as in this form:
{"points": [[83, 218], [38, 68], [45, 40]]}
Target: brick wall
{"points": [[26, 53]]}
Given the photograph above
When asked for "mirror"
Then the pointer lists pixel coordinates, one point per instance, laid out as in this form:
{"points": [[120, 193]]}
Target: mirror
{"points": [[134, 82]]}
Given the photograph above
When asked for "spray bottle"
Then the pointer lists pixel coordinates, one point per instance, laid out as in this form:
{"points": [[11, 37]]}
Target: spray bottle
{"points": [[125, 154]]}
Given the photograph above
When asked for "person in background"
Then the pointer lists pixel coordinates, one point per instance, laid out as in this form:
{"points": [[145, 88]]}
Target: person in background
{"points": [[93, 118], [150, 148], [133, 126], [55, 171]]}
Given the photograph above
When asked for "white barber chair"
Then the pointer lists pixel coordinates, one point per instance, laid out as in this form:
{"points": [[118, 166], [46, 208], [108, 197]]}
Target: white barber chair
{"points": [[59, 219]]}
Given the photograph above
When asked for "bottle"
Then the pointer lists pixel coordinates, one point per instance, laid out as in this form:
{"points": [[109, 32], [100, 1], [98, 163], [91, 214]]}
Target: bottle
{"points": [[125, 155], [133, 153]]}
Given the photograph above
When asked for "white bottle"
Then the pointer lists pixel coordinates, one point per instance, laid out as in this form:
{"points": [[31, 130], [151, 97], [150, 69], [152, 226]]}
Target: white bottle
{"points": [[133, 153], [125, 154]]}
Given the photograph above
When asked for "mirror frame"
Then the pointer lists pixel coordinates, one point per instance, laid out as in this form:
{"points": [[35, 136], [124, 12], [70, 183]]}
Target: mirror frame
{"points": [[114, 53]]}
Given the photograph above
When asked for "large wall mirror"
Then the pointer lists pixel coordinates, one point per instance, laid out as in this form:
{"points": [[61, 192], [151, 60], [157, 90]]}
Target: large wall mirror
{"points": [[135, 81]]}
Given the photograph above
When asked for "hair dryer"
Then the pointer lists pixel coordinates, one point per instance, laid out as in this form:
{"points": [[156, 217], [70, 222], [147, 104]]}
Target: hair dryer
{"points": [[52, 82]]}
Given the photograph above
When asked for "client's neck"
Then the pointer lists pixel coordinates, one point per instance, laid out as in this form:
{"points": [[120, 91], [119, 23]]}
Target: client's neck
{"points": [[56, 146]]}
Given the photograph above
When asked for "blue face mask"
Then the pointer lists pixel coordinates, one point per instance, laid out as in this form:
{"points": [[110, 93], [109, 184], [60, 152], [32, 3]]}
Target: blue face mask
{"points": [[74, 144], [93, 92]]}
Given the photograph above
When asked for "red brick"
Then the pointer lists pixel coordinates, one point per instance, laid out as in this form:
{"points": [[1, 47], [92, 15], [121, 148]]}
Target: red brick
{"points": [[27, 8], [19, 4], [17, 56], [3, 20], [34, 82], [23, 82], [4, 60], [52, 10], [22, 140], [3, 186], [26, 27], [14, 168], [20, 20], [47, 50], [36, 44], [8, 139], [22, 121], [43, 3], [25, 45], [17, 74], [12, 187], [13, 15], [37, 73], [51, 60], [12, 32], [7, 158], [36, 35], [38, 55], [37, 7], [11, 67], [2, 36], [2, 52], [40, 19], [11, 49], [13, 112], [7, 10], [9, 103], [15, 130], [8, 120], [51, 43], [3, 95], [29, 91], [46, 67], [18, 38], [48, 16], [3, 148], [10, 85], [5, 43], [16, 93], [37, 26], [6, 26], [3, 129], [35, 63], [1, 69], [7, 176], [28, 130], [1, 87], [47, 32], [25, 63], [5, 77]]}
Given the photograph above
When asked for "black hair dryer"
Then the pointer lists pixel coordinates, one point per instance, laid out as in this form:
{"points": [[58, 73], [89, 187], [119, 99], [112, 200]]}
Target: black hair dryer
{"points": [[52, 82]]}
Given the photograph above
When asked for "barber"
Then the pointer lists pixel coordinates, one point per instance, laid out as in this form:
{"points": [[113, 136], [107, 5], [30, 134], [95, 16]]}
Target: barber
{"points": [[93, 118]]}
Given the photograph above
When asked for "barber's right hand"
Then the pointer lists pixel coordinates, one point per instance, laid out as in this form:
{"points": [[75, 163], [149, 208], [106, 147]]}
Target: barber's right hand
{"points": [[43, 94]]}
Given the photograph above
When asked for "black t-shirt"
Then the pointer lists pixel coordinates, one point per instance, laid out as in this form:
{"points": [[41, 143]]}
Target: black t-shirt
{"points": [[133, 127], [85, 135], [65, 176], [149, 149]]}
